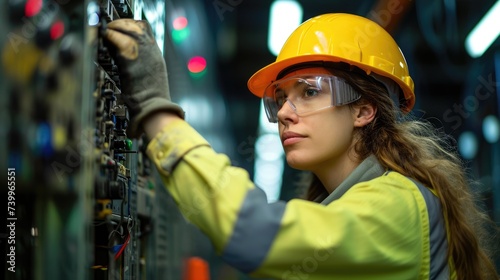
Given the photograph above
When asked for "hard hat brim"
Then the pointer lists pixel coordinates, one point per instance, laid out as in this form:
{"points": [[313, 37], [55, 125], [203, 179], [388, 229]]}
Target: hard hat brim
{"points": [[268, 74]]}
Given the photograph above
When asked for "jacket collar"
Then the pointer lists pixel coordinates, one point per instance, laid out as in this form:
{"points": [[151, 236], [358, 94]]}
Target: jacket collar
{"points": [[368, 169]]}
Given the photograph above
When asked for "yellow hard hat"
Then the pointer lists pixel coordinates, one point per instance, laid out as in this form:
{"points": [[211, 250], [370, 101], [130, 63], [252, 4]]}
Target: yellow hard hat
{"points": [[340, 37]]}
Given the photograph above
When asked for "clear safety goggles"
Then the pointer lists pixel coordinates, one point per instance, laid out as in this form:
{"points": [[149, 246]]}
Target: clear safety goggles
{"points": [[307, 94]]}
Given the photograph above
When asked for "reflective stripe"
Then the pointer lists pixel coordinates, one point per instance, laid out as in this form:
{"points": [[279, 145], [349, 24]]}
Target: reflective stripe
{"points": [[254, 232], [438, 243]]}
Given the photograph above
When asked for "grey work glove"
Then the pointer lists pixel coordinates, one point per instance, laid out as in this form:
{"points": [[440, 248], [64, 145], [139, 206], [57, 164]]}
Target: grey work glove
{"points": [[143, 73]]}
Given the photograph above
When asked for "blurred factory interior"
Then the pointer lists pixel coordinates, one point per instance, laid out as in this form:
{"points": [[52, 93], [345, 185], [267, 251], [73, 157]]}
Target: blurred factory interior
{"points": [[48, 83]]}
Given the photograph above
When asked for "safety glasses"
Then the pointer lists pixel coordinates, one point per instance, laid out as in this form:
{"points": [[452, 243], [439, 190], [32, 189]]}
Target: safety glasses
{"points": [[307, 94]]}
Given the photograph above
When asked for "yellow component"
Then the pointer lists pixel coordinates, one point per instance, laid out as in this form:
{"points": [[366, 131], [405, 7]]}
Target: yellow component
{"points": [[103, 208], [122, 170], [20, 58], [104, 159], [341, 38], [59, 137], [46, 65]]}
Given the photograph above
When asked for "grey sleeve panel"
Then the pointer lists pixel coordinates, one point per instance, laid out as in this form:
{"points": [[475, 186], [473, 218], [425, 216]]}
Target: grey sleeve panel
{"points": [[437, 236], [254, 232]]}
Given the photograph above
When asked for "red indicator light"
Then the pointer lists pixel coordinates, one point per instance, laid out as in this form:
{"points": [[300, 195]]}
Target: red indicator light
{"points": [[57, 30], [180, 23], [32, 7], [197, 64]]}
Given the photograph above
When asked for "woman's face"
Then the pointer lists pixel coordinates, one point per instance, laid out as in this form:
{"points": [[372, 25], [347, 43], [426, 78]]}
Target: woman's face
{"points": [[318, 140]]}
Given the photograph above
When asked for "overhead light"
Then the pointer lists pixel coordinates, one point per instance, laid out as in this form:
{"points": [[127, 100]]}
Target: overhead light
{"points": [[491, 129], [199, 112], [468, 145], [269, 158], [484, 33], [285, 16], [269, 165]]}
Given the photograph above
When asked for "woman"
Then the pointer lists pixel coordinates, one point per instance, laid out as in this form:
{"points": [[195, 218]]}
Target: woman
{"points": [[387, 199]]}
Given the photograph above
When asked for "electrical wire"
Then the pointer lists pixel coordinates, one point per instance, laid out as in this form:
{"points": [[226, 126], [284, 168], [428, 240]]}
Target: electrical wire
{"points": [[130, 226], [121, 222], [120, 252]]}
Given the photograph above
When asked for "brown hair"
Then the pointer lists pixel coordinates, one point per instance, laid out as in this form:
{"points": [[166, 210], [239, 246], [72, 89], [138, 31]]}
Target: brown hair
{"points": [[416, 149]]}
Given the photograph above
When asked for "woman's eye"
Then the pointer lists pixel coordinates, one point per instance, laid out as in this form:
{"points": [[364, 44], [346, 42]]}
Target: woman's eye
{"points": [[310, 92]]}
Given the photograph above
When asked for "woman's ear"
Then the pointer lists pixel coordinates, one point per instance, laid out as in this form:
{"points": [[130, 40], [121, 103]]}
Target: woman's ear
{"points": [[364, 114]]}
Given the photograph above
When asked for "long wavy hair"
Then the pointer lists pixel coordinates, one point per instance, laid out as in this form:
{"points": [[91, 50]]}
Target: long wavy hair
{"points": [[415, 148]]}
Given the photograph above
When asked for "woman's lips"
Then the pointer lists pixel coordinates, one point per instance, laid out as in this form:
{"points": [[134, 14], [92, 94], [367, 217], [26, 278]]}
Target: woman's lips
{"points": [[289, 138]]}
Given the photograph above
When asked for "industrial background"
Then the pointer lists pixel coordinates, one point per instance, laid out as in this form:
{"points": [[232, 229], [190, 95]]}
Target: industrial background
{"points": [[88, 204]]}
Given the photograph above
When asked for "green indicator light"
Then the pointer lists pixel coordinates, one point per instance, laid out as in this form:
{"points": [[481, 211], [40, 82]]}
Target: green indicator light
{"points": [[198, 75], [128, 143], [180, 35]]}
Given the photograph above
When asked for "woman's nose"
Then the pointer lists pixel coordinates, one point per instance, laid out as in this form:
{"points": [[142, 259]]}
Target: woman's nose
{"points": [[287, 112]]}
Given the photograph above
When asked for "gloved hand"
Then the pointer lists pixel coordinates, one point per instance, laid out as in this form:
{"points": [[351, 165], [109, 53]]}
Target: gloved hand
{"points": [[143, 72]]}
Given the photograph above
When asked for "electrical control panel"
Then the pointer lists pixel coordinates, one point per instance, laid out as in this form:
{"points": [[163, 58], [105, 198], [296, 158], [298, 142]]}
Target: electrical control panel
{"points": [[86, 201]]}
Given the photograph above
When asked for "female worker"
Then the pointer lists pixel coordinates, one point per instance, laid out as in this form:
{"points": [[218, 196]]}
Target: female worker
{"points": [[386, 199]]}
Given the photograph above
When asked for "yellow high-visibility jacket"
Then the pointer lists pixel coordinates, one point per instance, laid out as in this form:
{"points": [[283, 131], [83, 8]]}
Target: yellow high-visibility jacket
{"points": [[376, 225]]}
